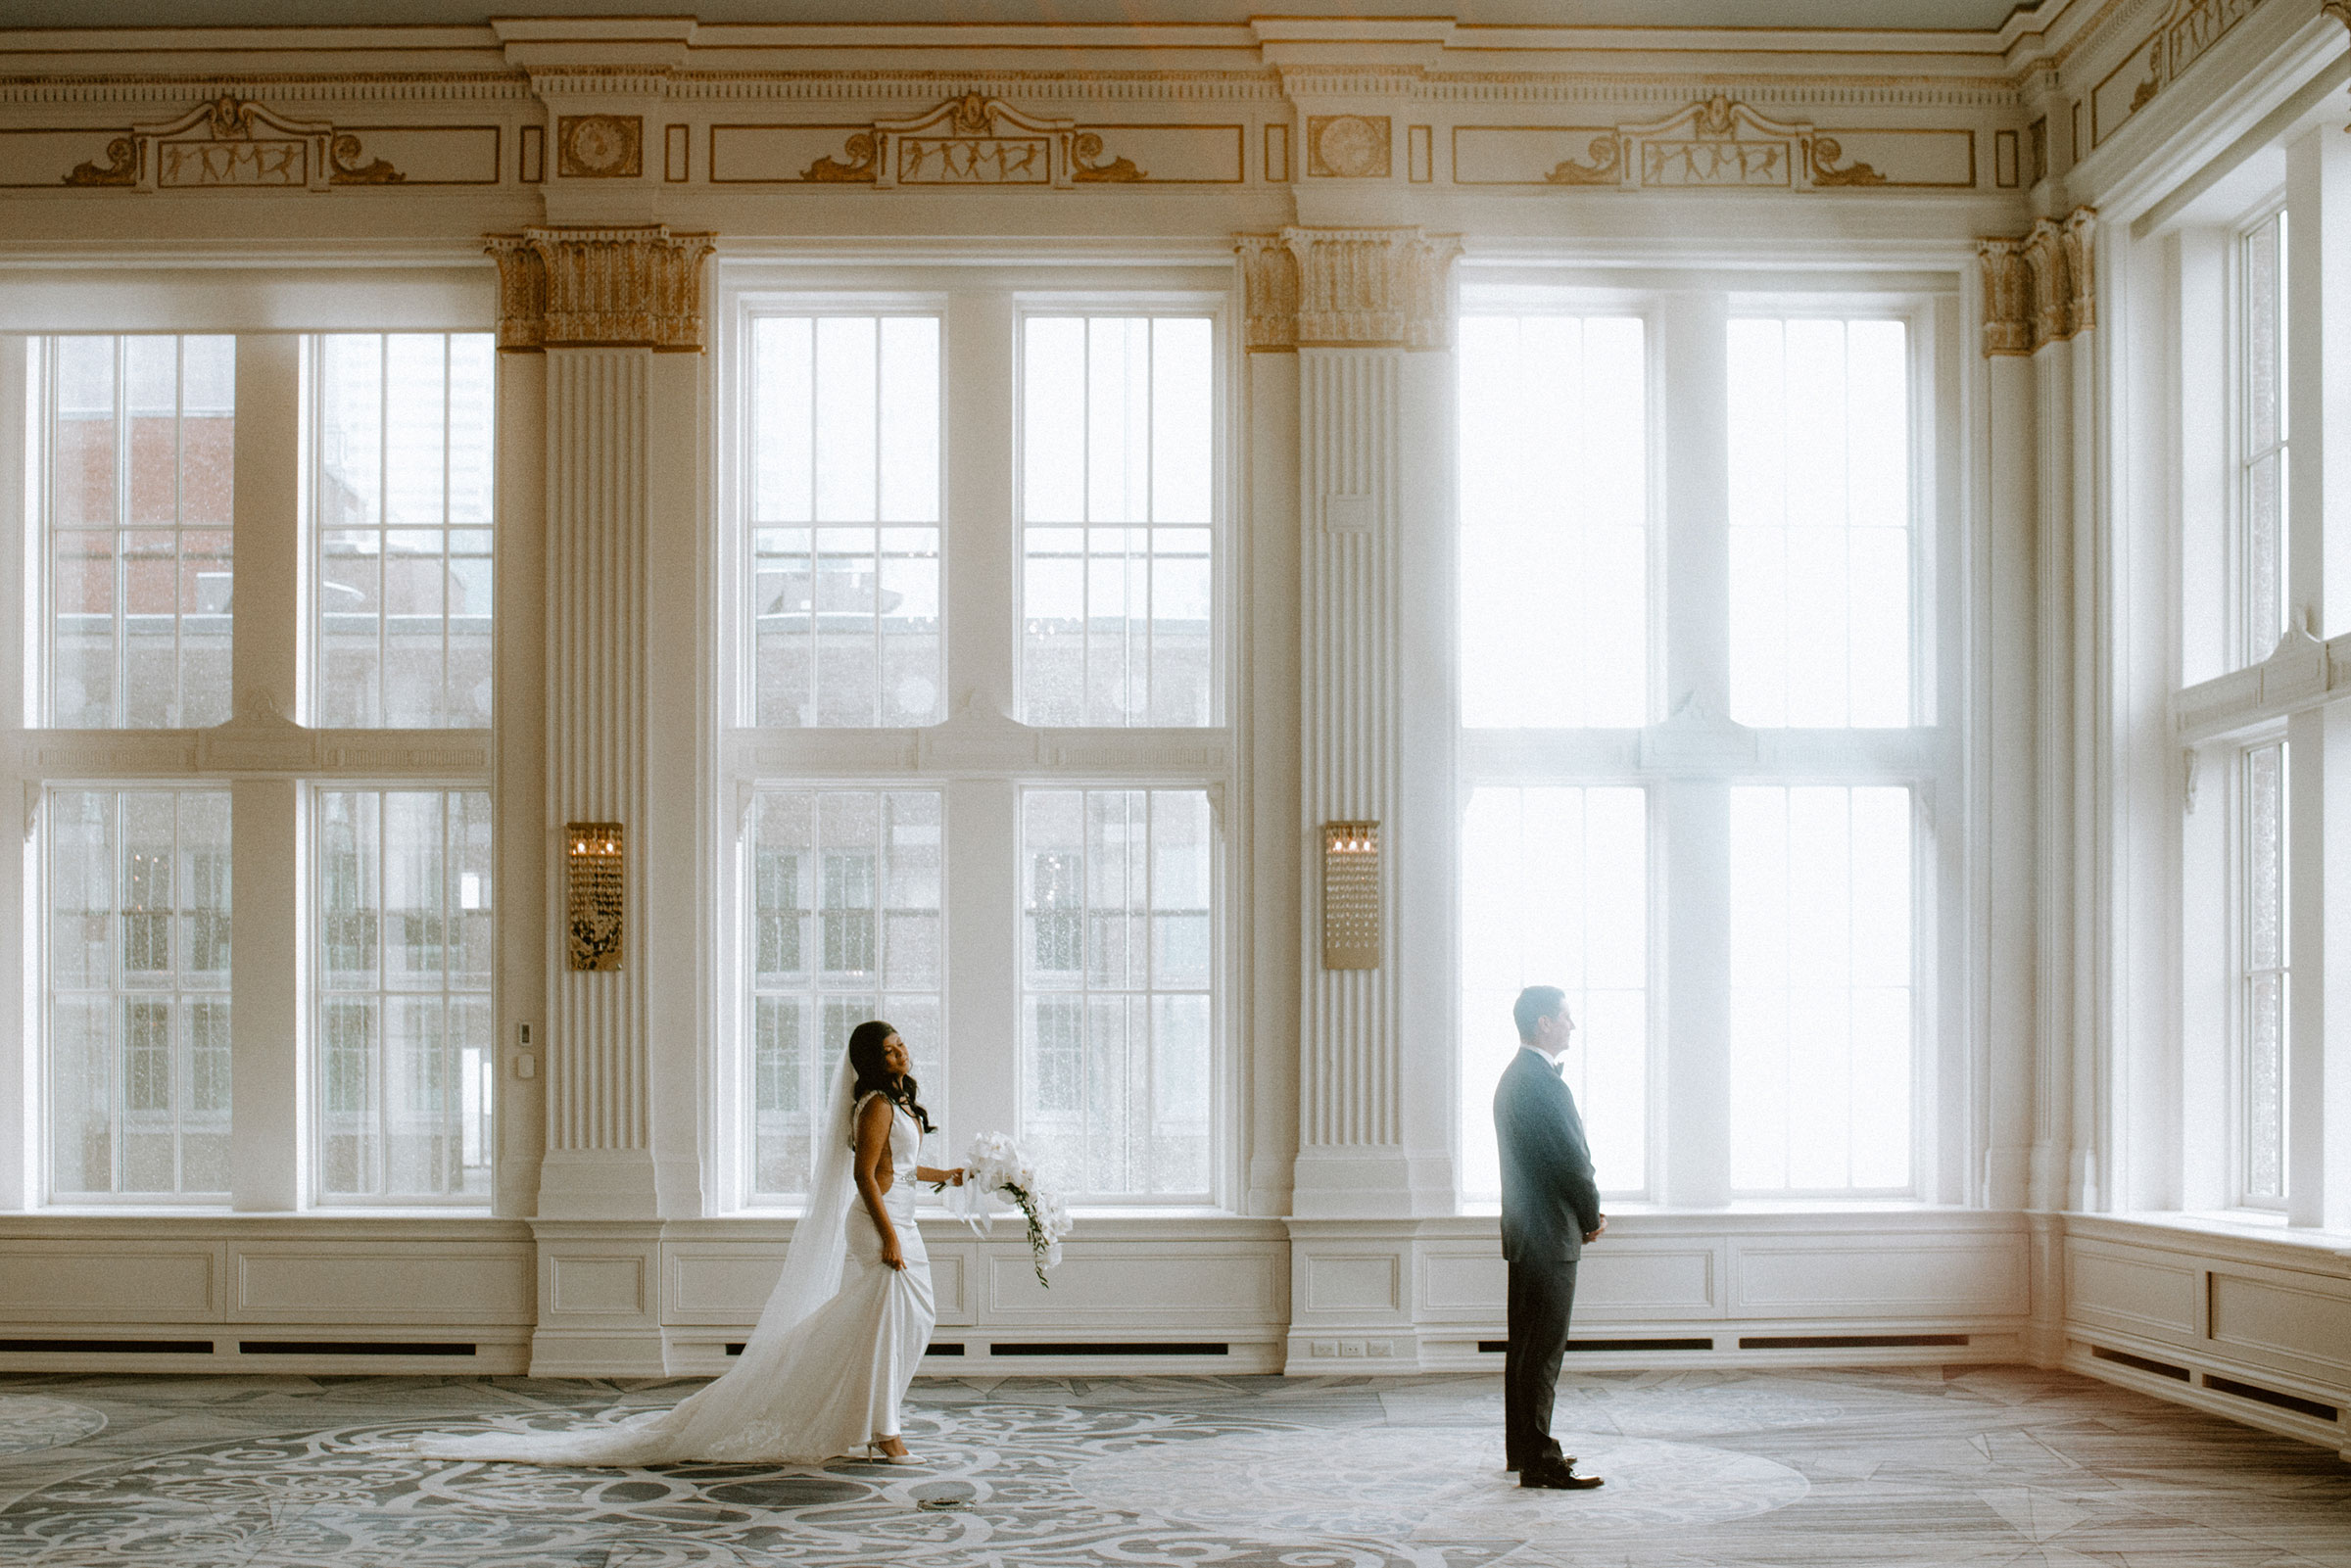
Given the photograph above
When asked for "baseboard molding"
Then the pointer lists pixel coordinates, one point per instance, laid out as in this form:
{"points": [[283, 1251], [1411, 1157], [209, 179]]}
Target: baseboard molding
{"points": [[245, 1348]]}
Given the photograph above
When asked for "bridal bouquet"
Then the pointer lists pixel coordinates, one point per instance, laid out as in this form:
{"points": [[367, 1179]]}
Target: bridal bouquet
{"points": [[995, 1165]]}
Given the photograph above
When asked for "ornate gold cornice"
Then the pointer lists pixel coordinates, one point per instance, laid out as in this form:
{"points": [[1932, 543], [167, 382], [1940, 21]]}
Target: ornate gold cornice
{"points": [[2040, 287], [1334, 288], [577, 288]]}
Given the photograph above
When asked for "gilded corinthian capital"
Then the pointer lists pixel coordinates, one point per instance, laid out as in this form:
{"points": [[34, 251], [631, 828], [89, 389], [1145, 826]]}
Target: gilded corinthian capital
{"points": [[1347, 288], [639, 287], [2040, 287]]}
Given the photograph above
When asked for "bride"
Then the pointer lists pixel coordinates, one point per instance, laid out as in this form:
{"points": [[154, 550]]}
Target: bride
{"points": [[826, 1368]]}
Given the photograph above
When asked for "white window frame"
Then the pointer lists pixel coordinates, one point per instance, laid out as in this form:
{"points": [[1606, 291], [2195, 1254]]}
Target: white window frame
{"points": [[275, 1159], [1682, 746], [980, 753], [2247, 645], [2239, 915]]}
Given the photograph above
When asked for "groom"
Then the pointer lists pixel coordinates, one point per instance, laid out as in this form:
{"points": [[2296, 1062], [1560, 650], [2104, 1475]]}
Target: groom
{"points": [[1550, 1208]]}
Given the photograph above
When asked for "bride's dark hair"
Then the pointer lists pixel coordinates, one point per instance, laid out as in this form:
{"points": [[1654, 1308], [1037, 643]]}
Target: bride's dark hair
{"points": [[874, 1075]]}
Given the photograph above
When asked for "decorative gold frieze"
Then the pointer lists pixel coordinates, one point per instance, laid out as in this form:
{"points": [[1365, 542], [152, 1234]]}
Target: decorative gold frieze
{"points": [[2186, 34], [232, 142], [1715, 143], [639, 287], [2040, 287], [973, 140], [1372, 288]]}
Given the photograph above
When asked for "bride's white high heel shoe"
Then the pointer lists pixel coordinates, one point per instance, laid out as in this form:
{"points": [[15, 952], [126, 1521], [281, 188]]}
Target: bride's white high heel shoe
{"points": [[875, 1456]]}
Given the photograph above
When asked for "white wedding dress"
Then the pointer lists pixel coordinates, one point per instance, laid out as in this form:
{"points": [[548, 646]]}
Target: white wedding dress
{"points": [[826, 1368]]}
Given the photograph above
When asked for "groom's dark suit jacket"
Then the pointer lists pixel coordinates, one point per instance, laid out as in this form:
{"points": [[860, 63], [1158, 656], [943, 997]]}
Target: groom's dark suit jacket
{"points": [[1549, 1202]]}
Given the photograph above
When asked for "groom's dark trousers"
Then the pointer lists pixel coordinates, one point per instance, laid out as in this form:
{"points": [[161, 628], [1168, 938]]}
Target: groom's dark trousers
{"points": [[1549, 1205]]}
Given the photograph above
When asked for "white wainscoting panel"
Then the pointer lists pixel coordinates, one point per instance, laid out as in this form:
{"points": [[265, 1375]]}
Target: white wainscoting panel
{"points": [[1881, 1277], [2138, 1292], [1354, 1284], [112, 1282], [1187, 1285], [355, 1282], [2298, 1323], [596, 1286], [1460, 1285], [1638, 1281]]}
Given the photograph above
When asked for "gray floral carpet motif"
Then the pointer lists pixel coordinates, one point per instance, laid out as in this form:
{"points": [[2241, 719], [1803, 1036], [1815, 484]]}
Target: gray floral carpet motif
{"points": [[1920, 1467], [28, 1423]]}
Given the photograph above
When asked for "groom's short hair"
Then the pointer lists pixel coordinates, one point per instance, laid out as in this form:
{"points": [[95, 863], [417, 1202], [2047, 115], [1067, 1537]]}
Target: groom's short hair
{"points": [[1535, 1004]]}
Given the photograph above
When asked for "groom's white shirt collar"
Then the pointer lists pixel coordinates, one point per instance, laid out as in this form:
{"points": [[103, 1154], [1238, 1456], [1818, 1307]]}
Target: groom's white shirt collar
{"points": [[1550, 1061]]}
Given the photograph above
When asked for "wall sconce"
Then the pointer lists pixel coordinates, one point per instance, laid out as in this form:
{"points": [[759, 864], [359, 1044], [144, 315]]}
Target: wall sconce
{"points": [[1351, 895], [595, 856]]}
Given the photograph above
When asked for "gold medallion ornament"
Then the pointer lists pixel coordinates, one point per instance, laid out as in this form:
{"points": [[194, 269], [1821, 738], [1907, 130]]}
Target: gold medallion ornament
{"points": [[1348, 146], [600, 146]]}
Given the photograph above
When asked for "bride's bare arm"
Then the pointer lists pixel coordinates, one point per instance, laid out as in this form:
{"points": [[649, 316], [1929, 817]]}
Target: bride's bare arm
{"points": [[941, 1176], [874, 1175]]}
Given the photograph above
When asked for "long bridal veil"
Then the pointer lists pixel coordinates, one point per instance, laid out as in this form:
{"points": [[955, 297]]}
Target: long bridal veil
{"points": [[771, 1404]]}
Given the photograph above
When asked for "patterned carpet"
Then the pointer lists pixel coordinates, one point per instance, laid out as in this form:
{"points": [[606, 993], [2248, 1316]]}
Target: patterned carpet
{"points": [[1791, 1469]]}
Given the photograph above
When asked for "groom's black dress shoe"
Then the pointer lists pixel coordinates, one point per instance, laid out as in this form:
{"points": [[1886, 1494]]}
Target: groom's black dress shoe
{"points": [[1553, 1458], [1556, 1477]]}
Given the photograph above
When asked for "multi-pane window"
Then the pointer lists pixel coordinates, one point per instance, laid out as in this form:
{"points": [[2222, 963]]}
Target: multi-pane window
{"points": [[1820, 522], [1734, 917], [1556, 892], [1821, 991], [403, 1057], [138, 999], [843, 510], [1554, 521], [2262, 452], [1117, 989], [1080, 919], [2263, 976], [845, 925], [1117, 502], [400, 510], [134, 464]]}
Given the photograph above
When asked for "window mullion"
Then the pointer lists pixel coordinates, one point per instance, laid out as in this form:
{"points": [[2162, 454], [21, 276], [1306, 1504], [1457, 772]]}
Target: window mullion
{"points": [[1692, 867], [264, 840]]}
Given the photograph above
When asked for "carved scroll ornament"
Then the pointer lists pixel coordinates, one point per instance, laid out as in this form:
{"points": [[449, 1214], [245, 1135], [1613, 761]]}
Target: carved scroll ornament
{"points": [[973, 140], [232, 142], [1378, 288], [2040, 287], [1716, 143], [599, 287]]}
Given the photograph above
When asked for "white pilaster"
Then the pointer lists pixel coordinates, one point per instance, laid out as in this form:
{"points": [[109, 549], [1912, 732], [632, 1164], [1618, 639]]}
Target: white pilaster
{"points": [[524, 880], [1366, 311], [2319, 739], [19, 868], [616, 315], [1277, 881]]}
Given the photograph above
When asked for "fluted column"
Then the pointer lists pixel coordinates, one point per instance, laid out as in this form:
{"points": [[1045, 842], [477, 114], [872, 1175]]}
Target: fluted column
{"points": [[2039, 304], [1365, 311], [608, 308]]}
